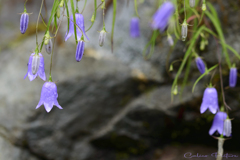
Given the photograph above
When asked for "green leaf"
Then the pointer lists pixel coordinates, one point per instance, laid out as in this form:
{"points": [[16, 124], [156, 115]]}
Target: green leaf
{"points": [[216, 24], [233, 50], [188, 52], [205, 73]]}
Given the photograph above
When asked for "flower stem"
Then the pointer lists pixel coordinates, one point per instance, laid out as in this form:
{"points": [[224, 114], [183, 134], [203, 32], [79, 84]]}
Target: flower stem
{"points": [[37, 24], [136, 7]]}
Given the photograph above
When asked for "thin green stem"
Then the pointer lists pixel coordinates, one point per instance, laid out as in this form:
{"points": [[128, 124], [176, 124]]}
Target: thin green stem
{"points": [[136, 7], [25, 10], [37, 24], [84, 6], [184, 10], [113, 21]]}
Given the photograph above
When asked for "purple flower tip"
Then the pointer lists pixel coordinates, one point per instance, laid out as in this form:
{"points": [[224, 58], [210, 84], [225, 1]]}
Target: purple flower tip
{"points": [[49, 96], [24, 22], [218, 123], [40, 70], [200, 65], [233, 77], [134, 27], [80, 27], [210, 100], [79, 51], [161, 17]]}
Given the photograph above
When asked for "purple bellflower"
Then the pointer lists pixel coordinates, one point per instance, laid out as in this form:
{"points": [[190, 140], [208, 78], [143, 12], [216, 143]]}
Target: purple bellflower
{"points": [[200, 65], [49, 96], [210, 100], [218, 123], [233, 77], [79, 50], [134, 27], [80, 27], [161, 17], [36, 64], [24, 20]]}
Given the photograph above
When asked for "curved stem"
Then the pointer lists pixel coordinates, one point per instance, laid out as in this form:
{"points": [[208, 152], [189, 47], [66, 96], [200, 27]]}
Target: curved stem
{"points": [[37, 24], [136, 7]]}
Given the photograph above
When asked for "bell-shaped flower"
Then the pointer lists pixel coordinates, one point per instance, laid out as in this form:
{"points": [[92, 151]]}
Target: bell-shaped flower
{"points": [[233, 77], [218, 123], [161, 18], [80, 28], [210, 100], [102, 37], [24, 20], [79, 50], [227, 129], [49, 96], [200, 65], [36, 64], [134, 27]]}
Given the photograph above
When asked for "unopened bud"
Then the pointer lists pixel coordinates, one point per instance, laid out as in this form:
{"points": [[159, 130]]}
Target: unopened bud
{"points": [[171, 68], [48, 47], [58, 12], [61, 3], [227, 127], [93, 18], [184, 31], [170, 40], [102, 37], [175, 90], [35, 63], [204, 7]]}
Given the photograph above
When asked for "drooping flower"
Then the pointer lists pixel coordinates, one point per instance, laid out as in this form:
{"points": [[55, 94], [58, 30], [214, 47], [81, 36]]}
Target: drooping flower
{"points": [[49, 96], [200, 65], [80, 28], [161, 18], [134, 27], [102, 37], [233, 77], [192, 3], [227, 130], [36, 66], [79, 50], [210, 100], [218, 123], [48, 47], [24, 20]]}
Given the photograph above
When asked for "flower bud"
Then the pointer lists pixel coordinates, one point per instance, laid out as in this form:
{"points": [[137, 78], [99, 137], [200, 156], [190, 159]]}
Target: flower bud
{"points": [[204, 7], [192, 3], [58, 12], [79, 50], [233, 77], [102, 37], [61, 3], [134, 27], [24, 22], [48, 47], [93, 18], [200, 65], [184, 31], [175, 90], [227, 129], [170, 40], [35, 63]]}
